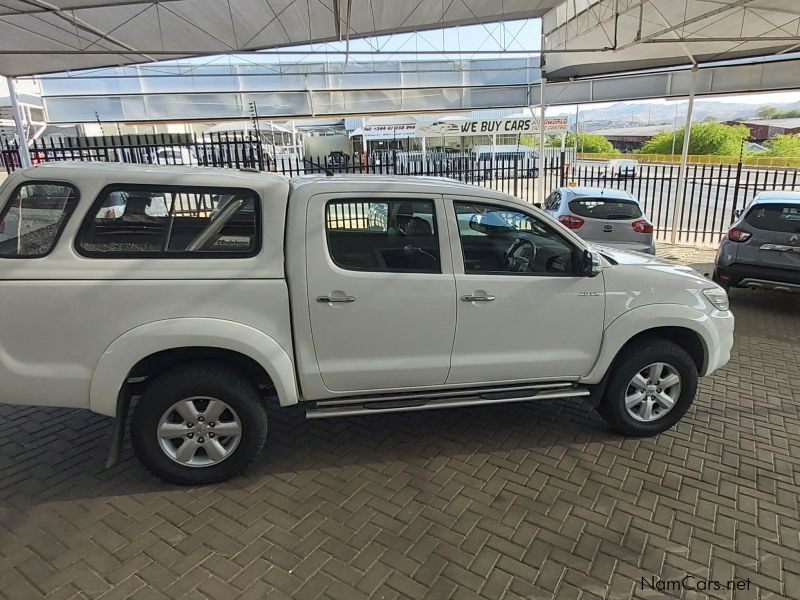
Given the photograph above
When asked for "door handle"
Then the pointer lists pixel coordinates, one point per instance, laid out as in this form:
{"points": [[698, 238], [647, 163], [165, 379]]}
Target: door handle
{"points": [[471, 298], [336, 298]]}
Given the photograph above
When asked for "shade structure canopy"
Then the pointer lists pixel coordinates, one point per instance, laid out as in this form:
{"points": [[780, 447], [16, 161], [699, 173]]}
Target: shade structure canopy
{"points": [[45, 36], [597, 37]]}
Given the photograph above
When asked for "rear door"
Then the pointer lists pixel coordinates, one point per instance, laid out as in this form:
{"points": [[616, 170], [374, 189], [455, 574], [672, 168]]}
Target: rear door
{"points": [[609, 219], [381, 290], [775, 239]]}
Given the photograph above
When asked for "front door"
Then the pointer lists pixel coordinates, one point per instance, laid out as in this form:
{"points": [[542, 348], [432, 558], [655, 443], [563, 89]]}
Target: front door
{"points": [[382, 296], [524, 312]]}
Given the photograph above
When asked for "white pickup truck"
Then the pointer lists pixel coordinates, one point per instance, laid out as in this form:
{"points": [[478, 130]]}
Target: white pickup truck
{"points": [[196, 296]]}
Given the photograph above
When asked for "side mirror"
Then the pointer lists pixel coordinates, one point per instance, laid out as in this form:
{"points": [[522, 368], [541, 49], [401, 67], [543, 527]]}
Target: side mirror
{"points": [[591, 264], [537, 204]]}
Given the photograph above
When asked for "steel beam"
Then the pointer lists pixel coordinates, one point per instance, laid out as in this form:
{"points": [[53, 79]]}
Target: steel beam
{"points": [[22, 136], [687, 134]]}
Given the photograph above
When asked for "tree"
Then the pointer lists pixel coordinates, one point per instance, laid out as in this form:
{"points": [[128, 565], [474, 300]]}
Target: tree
{"points": [[770, 112], [706, 138], [784, 145], [591, 143], [767, 112]]}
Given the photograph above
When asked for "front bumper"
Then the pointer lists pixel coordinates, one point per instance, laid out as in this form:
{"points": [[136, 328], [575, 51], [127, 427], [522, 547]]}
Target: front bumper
{"points": [[770, 278], [720, 329]]}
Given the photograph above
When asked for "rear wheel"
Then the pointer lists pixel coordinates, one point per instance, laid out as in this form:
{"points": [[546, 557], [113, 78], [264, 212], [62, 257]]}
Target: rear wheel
{"points": [[652, 386], [198, 424]]}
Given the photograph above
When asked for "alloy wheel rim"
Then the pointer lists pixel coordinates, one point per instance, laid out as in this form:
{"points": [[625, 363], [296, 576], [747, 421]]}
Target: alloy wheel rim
{"points": [[653, 392], [199, 431]]}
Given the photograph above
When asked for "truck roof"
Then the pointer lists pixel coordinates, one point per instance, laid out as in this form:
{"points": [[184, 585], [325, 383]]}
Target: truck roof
{"points": [[109, 172], [145, 173], [398, 183]]}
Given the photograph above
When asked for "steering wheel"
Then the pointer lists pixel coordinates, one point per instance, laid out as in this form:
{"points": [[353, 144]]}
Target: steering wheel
{"points": [[519, 256]]}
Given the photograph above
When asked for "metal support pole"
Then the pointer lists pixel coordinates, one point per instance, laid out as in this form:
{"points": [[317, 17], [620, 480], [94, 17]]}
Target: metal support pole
{"points": [[541, 160], [687, 133], [22, 137]]}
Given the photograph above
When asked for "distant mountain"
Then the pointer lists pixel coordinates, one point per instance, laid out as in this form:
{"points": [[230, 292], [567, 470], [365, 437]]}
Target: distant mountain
{"points": [[623, 114]]}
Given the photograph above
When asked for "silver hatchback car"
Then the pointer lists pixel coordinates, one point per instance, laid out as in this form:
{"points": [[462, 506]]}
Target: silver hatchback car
{"points": [[762, 248], [602, 215]]}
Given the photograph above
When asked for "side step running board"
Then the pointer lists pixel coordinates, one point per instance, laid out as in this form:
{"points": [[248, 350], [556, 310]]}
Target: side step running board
{"points": [[397, 403]]}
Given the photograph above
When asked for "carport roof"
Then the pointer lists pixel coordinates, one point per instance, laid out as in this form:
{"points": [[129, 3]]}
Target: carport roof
{"points": [[38, 36]]}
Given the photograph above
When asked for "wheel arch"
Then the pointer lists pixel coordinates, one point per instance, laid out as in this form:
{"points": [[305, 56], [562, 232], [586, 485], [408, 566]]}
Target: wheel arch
{"points": [[165, 344], [686, 326]]}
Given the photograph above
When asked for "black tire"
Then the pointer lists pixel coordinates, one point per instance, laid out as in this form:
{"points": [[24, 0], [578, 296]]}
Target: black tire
{"points": [[635, 358], [198, 379]]}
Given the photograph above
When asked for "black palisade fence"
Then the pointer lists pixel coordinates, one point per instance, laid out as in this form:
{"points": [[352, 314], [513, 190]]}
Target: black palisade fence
{"points": [[712, 193]]}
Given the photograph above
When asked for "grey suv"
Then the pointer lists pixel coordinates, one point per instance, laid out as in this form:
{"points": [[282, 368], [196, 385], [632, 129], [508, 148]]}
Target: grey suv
{"points": [[602, 215], [762, 248]]}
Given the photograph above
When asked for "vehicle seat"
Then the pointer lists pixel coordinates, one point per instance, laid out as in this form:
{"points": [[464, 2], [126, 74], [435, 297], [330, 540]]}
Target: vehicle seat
{"points": [[418, 226]]}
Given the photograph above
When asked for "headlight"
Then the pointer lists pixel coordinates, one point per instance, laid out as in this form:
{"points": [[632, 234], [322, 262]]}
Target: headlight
{"points": [[717, 297]]}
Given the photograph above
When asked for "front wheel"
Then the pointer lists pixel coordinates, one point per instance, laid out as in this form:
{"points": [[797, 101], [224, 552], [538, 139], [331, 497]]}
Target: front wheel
{"points": [[652, 386], [198, 424]]}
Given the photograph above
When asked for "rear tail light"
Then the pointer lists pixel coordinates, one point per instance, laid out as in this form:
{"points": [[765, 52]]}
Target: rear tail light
{"points": [[570, 222], [737, 234], [642, 226]]}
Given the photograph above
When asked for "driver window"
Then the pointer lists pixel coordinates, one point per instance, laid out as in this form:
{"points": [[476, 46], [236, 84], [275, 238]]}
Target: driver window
{"points": [[500, 240]]}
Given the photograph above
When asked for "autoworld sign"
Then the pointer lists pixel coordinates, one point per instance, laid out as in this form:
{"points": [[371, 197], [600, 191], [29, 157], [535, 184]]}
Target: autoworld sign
{"points": [[505, 126]]}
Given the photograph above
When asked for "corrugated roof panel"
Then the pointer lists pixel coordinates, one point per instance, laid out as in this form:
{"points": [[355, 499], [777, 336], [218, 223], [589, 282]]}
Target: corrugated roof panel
{"points": [[78, 34]]}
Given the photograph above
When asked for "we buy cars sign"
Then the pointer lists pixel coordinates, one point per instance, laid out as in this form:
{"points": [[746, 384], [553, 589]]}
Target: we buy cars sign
{"points": [[508, 125]]}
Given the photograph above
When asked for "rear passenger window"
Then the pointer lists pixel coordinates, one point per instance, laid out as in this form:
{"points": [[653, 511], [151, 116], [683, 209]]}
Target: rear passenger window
{"points": [[33, 218], [131, 221], [386, 235]]}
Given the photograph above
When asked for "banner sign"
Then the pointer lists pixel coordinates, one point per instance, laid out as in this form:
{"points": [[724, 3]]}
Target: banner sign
{"points": [[389, 132], [504, 126]]}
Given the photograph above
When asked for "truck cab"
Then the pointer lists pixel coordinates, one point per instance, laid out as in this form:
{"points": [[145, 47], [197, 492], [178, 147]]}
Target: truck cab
{"points": [[210, 293]]}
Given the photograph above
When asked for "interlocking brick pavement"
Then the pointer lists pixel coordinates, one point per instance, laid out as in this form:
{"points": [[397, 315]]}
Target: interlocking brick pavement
{"points": [[516, 501]]}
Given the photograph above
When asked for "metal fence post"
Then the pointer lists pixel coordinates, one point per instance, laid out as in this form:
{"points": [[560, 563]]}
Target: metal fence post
{"points": [[687, 134], [516, 174], [736, 189]]}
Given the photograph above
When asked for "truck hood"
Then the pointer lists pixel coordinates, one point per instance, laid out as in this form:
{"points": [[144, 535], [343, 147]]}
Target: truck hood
{"points": [[652, 263]]}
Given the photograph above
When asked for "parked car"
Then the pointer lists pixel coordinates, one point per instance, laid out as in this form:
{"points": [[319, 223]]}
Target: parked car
{"points": [[337, 159], [350, 295], [116, 204], [762, 248], [501, 161], [623, 168], [602, 215], [174, 155]]}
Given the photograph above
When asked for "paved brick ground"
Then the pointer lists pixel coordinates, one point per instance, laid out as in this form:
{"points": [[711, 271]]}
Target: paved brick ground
{"points": [[519, 501]]}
